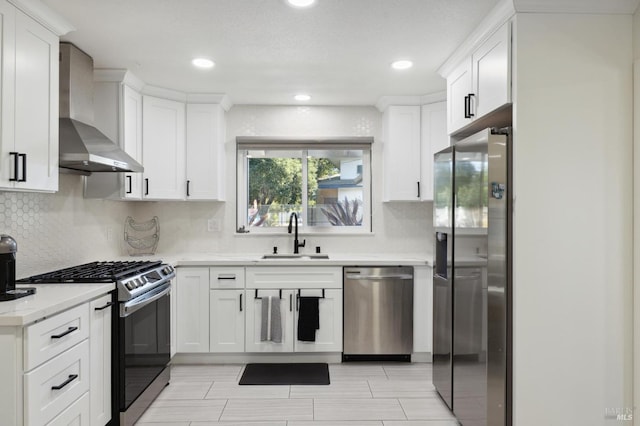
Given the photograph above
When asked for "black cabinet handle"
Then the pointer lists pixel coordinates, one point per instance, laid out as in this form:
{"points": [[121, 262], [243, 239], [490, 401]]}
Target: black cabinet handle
{"points": [[24, 167], [71, 378], [15, 167], [129, 179], [188, 182], [101, 308], [469, 101], [64, 333], [227, 277], [290, 302], [240, 302], [466, 107], [418, 189], [146, 186]]}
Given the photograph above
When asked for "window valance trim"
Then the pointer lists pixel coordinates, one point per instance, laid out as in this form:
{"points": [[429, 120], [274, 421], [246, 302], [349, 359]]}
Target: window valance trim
{"points": [[293, 142]]}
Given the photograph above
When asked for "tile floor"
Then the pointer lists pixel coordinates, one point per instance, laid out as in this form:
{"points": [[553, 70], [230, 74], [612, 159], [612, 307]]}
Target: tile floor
{"points": [[390, 394]]}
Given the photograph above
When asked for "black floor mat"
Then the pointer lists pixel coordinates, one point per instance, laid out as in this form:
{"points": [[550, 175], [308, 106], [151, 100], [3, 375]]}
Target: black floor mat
{"points": [[286, 374]]}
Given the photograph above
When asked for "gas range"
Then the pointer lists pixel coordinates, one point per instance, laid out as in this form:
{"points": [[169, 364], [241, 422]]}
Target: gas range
{"points": [[141, 331], [132, 278]]}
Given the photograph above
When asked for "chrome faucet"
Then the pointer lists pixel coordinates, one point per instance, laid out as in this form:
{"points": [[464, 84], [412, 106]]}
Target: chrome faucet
{"points": [[296, 244]]}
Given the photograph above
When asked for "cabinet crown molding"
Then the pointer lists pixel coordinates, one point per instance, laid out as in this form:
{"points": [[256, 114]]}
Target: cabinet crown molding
{"points": [[577, 6], [386, 101], [127, 77], [118, 76], [506, 9], [51, 20]]}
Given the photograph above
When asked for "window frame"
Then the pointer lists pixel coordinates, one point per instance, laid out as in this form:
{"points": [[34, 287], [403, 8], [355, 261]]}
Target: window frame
{"points": [[243, 144]]}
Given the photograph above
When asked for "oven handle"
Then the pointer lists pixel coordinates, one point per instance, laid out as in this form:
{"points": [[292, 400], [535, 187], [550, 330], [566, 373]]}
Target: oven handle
{"points": [[130, 307]]}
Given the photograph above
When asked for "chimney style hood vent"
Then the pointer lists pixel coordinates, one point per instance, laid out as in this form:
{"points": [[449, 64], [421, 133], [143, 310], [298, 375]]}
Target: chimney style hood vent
{"points": [[83, 148]]}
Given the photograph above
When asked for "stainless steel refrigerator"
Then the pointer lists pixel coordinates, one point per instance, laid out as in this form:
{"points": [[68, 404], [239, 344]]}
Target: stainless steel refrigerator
{"points": [[472, 212]]}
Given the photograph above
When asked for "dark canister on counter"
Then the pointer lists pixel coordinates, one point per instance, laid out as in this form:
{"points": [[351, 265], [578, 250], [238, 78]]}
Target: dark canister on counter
{"points": [[8, 249]]}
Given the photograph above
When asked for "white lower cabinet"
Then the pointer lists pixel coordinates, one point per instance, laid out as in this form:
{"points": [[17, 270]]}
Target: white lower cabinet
{"points": [[100, 360], [219, 309], [226, 320], [56, 384], [253, 330], [329, 335], [77, 414], [422, 309], [192, 310], [291, 282]]}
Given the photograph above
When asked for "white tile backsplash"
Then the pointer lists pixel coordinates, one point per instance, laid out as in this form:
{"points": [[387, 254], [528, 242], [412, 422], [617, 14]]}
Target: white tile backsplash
{"points": [[61, 229]]}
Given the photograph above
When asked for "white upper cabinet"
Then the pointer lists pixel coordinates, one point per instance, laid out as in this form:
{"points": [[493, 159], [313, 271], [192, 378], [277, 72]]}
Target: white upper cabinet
{"points": [[29, 146], [459, 91], [131, 128], [480, 83], [118, 114], [401, 153], [205, 152], [163, 149], [434, 138], [492, 72], [412, 134]]}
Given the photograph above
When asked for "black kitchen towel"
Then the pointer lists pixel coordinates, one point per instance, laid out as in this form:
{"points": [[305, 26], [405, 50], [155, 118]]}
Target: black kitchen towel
{"points": [[308, 319]]}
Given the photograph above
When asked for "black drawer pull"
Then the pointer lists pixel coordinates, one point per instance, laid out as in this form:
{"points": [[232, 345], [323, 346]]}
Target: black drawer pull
{"points": [[69, 331], [71, 378], [104, 307], [227, 277]]}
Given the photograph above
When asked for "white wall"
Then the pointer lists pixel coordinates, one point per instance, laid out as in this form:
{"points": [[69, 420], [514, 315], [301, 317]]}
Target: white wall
{"points": [[573, 218], [403, 228], [61, 229]]}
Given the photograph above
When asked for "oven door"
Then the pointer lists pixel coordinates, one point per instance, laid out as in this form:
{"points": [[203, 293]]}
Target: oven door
{"points": [[144, 343]]}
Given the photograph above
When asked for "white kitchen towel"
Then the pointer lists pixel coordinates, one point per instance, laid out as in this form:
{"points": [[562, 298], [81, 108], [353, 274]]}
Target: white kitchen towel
{"points": [[276, 320], [264, 319]]}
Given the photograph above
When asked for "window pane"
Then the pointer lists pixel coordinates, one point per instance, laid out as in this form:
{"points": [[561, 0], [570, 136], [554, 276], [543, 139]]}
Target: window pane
{"points": [[274, 187], [335, 188]]}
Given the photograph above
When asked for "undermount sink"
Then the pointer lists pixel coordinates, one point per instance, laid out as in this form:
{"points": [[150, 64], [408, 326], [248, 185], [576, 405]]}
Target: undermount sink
{"points": [[296, 256]]}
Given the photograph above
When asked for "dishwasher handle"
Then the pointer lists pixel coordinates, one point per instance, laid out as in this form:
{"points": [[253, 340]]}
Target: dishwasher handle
{"points": [[356, 276]]}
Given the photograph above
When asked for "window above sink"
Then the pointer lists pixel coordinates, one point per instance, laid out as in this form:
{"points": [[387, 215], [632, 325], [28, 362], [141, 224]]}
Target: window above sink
{"points": [[326, 182]]}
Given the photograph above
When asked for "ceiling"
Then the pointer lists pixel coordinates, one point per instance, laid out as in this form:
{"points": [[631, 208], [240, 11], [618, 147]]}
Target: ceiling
{"points": [[337, 51]]}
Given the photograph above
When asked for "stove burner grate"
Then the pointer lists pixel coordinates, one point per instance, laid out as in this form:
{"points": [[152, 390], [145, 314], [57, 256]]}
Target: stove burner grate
{"points": [[93, 272]]}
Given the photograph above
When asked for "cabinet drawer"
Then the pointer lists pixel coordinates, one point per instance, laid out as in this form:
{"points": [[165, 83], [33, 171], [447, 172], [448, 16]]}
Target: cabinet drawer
{"points": [[226, 277], [76, 414], [55, 385], [294, 277], [48, 338]]}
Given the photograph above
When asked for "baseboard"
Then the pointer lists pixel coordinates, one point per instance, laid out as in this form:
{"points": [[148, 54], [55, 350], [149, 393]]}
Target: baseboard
{"points": [[421, 357], [244, 358]]}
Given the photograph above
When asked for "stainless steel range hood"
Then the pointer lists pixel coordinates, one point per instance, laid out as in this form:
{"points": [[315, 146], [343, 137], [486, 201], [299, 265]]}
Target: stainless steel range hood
{"points": [[83, 148]]}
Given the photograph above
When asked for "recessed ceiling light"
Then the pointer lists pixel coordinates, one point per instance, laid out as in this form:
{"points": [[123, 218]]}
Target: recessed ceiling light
{"points": [[302, 97], [300, 3], [203, 63], [401, 65]]}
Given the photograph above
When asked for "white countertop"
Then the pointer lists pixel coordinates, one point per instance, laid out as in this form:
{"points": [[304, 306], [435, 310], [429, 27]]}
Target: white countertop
{"points": [[217, 259], [48, 300]]}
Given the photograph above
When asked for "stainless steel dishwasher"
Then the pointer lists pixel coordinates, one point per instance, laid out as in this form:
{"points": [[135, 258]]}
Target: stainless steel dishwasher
{"points": [[378, 313]]}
